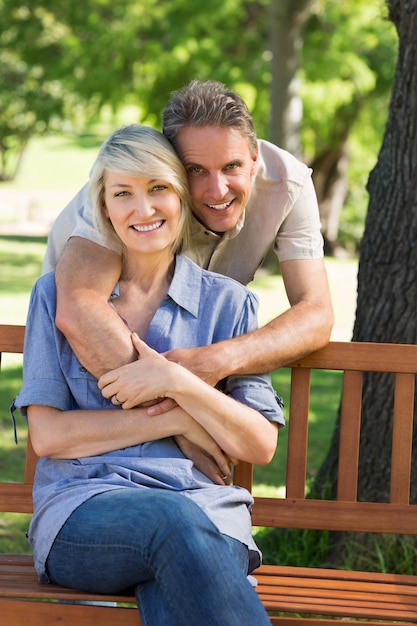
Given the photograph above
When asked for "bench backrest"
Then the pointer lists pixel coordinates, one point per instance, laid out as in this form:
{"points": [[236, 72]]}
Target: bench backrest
{"points": [[295, 510], [16, 497], [345, 513]]}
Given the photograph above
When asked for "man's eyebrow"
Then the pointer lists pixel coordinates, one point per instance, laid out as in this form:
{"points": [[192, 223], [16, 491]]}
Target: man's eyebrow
{"points": [[187, 163]]}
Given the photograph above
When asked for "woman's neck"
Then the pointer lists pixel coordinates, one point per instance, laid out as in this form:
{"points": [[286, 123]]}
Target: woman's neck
{"points": [[148, 273], [143, 285]]}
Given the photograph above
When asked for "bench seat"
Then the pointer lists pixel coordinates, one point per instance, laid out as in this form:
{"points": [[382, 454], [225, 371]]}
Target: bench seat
{"points": [[294, 590]]}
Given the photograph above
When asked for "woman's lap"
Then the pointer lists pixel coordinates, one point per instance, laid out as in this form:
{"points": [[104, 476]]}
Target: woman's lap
{"points": [[156, 540]]}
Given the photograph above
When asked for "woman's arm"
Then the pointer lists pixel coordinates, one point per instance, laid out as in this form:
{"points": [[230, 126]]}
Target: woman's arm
{"points": [[240, 431], [81, 433]]}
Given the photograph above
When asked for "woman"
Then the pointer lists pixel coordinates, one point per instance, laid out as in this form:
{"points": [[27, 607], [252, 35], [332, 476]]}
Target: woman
{"points": [[116, 503]]}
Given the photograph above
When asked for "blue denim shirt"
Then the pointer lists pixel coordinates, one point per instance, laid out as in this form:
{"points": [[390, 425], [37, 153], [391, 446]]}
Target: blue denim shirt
{"points": [[200, 308]]}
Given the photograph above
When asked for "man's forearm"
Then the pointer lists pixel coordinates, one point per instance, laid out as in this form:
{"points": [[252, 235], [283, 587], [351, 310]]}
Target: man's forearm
{"points": [[295, 333], [85, 277], [98, 336]]}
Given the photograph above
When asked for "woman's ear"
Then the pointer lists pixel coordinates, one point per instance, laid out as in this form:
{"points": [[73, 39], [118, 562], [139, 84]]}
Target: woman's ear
{"points": [[104, 210]]}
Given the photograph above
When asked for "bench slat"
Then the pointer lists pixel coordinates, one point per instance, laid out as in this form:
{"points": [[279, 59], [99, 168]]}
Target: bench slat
{"points": [[350, 422], [21, 613], [362, 357], [365, 517], [16, 498], [402, 439], [11, 338], [298, 433]]}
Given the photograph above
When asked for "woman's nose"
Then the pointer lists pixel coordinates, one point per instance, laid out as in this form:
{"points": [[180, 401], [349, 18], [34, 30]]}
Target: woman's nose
{"points": [[143, 206]]}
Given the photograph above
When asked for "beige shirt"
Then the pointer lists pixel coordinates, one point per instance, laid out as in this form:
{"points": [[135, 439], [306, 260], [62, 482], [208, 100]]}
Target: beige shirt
{"points": [[282, 212]]}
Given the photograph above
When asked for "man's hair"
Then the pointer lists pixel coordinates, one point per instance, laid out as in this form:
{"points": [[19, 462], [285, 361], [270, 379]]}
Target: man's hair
{"points": [[141, 151], [207, 103]]}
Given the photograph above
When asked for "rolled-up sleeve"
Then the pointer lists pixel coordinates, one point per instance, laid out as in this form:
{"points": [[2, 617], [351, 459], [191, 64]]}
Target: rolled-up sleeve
{"points": [[43, 380]]}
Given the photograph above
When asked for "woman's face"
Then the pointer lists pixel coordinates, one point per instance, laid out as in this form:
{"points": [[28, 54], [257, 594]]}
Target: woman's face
{"points": [[145, 213]]}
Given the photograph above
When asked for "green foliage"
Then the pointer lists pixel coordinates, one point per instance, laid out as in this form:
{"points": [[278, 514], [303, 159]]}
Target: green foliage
{"points": [[61, 63], [20, 260], [349, 58], [298, 548], [376, 553]]}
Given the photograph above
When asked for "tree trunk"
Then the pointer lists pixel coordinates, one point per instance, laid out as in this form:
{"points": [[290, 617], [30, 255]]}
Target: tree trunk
{"points": [[287, 20], [387, 279], [330, 181]]}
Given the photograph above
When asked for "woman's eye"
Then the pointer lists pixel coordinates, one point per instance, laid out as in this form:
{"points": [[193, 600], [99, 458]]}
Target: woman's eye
{"points": [[159, 187], [118, 194]]}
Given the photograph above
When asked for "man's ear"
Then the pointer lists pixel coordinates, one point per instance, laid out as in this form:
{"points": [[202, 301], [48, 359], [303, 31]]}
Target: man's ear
{"points": [[254, 162]]}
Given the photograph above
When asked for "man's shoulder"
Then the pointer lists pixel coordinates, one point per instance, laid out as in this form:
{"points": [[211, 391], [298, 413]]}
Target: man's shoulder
{"points": [[277, 165]]}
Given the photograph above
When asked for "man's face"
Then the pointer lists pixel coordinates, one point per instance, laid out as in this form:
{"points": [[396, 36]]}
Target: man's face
{"points": [[219, 165]]}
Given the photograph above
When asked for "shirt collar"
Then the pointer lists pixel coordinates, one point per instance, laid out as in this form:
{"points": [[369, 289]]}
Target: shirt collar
{"points": [[185, 287], [197, 227]]}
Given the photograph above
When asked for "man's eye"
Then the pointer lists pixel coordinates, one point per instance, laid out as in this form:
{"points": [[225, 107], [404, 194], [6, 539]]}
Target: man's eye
{"points": [[232, 166], [195, 169]]}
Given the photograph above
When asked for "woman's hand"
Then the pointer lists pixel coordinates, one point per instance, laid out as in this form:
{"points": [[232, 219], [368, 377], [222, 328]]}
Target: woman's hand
{"points": [[141, 381]]}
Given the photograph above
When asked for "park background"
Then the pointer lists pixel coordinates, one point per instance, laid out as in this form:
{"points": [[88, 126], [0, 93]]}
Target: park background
{"points": [[316, 74]]}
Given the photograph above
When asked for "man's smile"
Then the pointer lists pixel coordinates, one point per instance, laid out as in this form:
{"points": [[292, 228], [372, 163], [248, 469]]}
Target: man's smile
{"points": [[220, 207]]}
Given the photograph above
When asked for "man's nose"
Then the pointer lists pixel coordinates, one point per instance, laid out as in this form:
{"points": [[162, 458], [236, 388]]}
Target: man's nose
{"points": [[218, 185]]}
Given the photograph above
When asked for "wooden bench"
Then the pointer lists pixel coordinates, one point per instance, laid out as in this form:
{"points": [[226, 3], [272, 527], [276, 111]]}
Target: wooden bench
{"points": [[295, 595]]}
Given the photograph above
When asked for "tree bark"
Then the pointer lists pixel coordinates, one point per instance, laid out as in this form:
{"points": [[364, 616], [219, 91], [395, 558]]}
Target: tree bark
{"points": [[387, 278], [330, 181]]}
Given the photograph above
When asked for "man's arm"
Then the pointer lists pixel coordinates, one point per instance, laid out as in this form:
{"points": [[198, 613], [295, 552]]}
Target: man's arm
{"points": [[300, 330], [85, 276]]}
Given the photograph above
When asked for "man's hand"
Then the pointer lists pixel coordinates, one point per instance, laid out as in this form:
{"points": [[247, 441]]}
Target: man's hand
{"points": [[205, 362], [216, 469]]}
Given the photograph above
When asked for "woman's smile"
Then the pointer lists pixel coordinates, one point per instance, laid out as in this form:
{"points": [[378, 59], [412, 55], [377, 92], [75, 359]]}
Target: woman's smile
{"points": [[146, 228]]}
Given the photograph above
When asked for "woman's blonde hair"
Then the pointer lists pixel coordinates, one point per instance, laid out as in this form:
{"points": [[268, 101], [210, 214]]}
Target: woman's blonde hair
{"points": [[137, 150]]}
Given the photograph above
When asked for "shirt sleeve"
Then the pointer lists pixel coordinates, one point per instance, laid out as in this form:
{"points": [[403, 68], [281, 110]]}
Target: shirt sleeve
{"points": [[43, 381], [255, 390], [300, 234]]}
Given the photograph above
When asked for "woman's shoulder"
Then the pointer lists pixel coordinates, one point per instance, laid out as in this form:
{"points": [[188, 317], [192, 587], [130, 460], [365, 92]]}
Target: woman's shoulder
{"points": [[44, 290], [46, 283]]}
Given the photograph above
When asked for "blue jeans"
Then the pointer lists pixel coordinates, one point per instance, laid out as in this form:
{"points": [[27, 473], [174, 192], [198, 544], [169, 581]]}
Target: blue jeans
{"points": [[182, 569]]}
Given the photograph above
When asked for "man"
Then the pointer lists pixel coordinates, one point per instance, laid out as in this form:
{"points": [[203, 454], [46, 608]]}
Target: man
{"points": [[247, 196]]}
